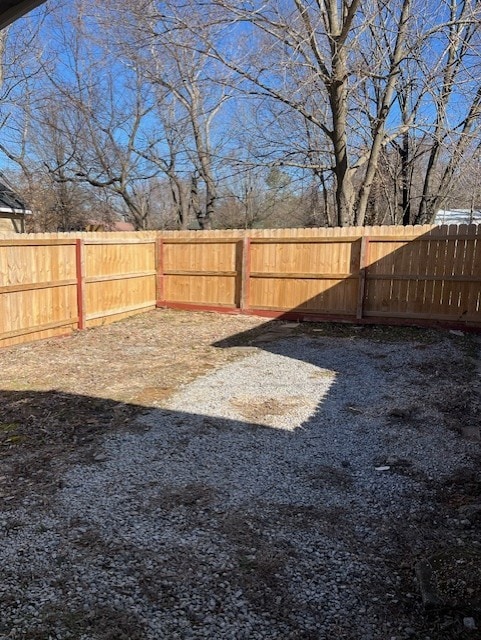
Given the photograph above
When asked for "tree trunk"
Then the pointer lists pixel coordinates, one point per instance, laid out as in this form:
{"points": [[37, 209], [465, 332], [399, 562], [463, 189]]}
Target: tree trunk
{"points": [[338, 103], [426, 204], [180, 201], [382, 114], [210, 199]]}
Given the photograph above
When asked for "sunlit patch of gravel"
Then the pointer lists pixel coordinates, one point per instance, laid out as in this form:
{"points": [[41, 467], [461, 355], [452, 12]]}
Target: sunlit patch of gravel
{"points": [[205, 525]]}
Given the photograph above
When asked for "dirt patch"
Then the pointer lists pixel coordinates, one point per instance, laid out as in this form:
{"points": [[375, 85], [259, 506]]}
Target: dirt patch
{"points": [[329, 520], [255, 410], [463, 487], [139, 360], [190, 517], [373, 332], [325, 475], [259, 565], [190, 495]]}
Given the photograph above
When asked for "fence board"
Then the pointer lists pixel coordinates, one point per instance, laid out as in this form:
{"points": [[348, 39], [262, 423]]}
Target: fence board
{"points": [[37, 289], [422, 272], [201, 270]]}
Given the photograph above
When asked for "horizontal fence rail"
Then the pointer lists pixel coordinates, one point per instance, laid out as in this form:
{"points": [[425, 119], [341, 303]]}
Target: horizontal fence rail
{"points": [[52, 284]]}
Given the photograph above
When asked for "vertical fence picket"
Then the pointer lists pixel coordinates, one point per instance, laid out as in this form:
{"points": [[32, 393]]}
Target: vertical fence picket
{"points": [[363, 261], [159, 261], [245, 274], [80, 267]]}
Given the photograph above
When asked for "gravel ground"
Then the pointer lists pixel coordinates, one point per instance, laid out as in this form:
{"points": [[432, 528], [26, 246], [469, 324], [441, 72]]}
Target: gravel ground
{"points": [[252, 504]]}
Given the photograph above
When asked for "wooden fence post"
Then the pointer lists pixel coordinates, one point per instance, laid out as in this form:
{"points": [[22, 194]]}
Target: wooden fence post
{"points": [[80, 267], [245, 274], [159, 266], [363, 258]]}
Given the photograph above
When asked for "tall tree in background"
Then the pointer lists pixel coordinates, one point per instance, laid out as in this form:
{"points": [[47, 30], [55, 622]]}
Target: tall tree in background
{"points": [[320, 48], [101, 108], [341, 66], [455, 98]]}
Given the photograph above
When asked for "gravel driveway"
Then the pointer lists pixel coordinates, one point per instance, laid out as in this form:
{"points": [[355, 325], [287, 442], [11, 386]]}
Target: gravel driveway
{"points": [[285, 495]]}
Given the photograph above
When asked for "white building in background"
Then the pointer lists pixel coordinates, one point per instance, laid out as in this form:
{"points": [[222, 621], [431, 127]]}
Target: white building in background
{"points": [[458, 216]]}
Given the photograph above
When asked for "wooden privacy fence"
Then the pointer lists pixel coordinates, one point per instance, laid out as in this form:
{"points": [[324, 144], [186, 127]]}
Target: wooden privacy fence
{"points": [[53, 284], [50, 286], [422, 274]]}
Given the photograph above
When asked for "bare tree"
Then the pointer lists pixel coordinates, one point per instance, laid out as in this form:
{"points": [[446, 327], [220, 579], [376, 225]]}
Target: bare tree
{"points": [[458, 40], [189, 98], [99, 110], [316, 46], [370, 110]]}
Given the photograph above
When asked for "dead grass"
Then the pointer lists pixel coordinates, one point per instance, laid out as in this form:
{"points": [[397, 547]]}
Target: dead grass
{"points": [[381, 333], [59, 395], [456, 574], [141, 360], [460, 404]]}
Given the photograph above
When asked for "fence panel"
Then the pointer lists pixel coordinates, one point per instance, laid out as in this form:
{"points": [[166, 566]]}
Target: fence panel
{"points": [[38, 289], [51, 284], [310, 274], [436, 276], [202, 270], [120, 278], [400, 273]]}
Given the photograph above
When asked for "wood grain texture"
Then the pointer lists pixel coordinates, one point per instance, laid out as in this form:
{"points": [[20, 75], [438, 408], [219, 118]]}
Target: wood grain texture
{"points": [[408, 272]]}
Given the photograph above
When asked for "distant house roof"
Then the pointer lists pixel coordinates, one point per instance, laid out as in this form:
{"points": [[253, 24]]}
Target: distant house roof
{"points": [[458, 216], [11, 10], [11, 203], [122, 226], [116, 225]]}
